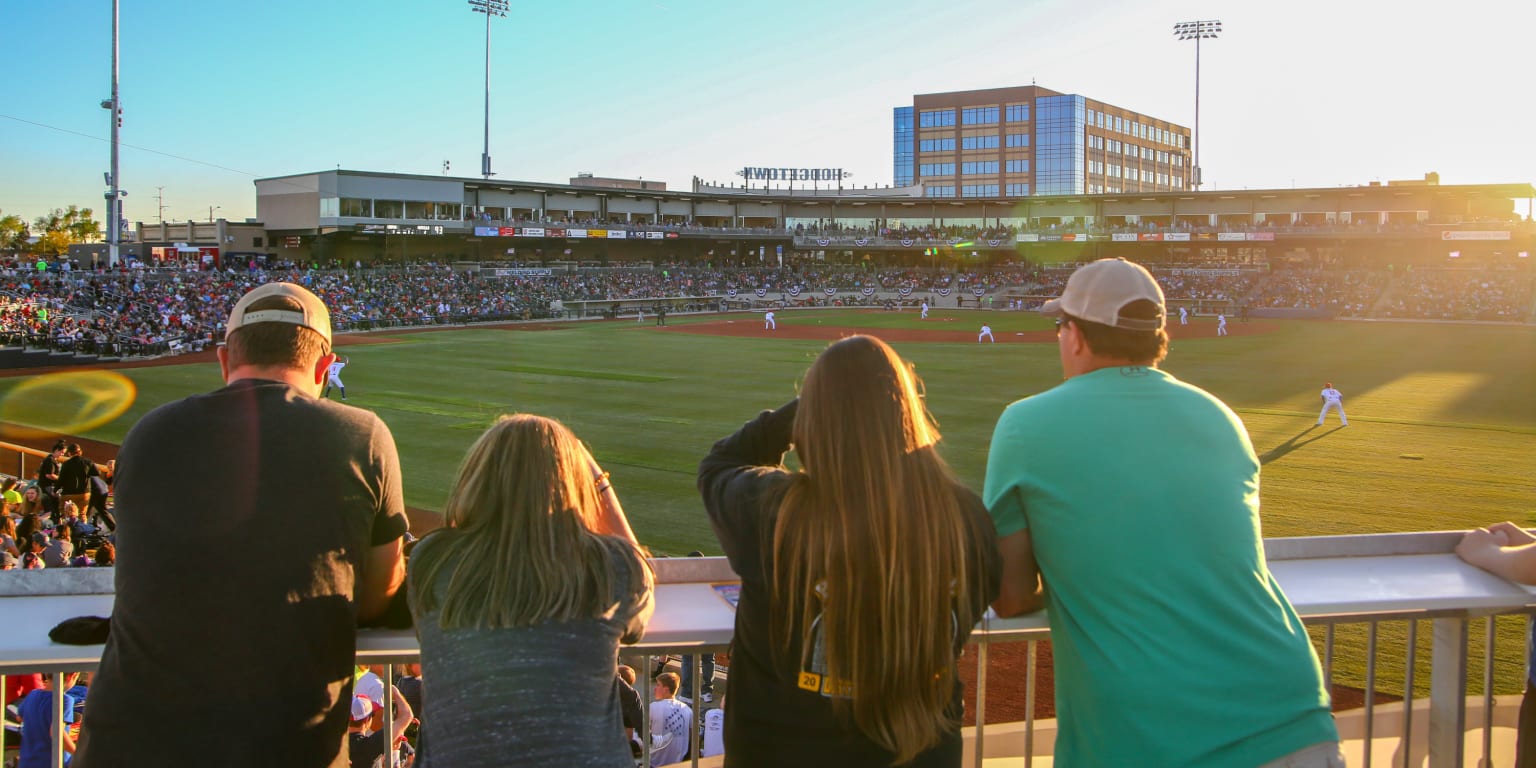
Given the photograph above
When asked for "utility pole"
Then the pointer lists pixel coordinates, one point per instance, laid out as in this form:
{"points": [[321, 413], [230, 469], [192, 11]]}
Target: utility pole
{"points": [[160, 204]]}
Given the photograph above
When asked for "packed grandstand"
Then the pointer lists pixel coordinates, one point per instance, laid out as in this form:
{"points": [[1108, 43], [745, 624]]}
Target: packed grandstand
{"points": [[155, 311]]}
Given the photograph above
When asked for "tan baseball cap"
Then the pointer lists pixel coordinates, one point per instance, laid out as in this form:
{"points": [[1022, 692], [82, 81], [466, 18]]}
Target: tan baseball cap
{"points": [[313, 316], [1099, 291]]}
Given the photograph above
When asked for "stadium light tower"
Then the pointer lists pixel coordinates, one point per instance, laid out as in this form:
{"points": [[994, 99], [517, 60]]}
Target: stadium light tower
{"points": [[1196, 30], [489, 8], [114, 193]]}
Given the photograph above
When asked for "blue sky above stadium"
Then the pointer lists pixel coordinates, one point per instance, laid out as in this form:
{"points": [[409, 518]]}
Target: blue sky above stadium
{"points": [[218, 94]]}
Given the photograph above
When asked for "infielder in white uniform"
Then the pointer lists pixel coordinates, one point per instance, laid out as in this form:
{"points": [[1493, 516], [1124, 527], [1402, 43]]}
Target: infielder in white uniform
{"points": [[925, 311], [986, 333], [1221, 325], [1183, 315], [1332, 398], [333, 378], [768, 323]]}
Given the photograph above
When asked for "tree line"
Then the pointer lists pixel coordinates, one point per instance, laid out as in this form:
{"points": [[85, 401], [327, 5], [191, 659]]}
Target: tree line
{"points": [[55, 231]]}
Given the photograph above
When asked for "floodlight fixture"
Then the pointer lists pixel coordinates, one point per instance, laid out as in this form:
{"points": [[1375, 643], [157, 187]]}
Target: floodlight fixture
{"points": [[490, 8], [1197, 31]]}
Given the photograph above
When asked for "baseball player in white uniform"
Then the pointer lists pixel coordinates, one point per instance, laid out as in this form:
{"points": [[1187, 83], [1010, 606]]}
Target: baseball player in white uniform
{"points": [[1183, 315], [986, 333], [1332, 398], [1221, 325], [333, 377], [768, 323], [924, 316]]}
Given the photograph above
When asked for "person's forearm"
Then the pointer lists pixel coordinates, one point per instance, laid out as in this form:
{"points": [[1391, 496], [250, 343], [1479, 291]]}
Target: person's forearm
{"points": [[1516, 564]]}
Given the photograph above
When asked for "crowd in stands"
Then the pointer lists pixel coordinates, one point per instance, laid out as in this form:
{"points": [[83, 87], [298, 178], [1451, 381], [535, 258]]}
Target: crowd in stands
{"points": [[154, 311], [1462, 295], [1349, 293]]}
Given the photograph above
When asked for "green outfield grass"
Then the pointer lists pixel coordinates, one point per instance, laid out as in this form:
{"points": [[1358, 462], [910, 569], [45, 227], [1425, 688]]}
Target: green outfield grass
{"points": [[1442, 435]]}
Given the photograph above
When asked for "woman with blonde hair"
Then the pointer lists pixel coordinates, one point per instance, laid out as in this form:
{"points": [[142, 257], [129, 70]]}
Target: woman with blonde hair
{"points": [[521, 602], [862, 574]]}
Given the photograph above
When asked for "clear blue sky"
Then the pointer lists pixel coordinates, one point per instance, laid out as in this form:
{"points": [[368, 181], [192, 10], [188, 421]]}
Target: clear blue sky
{"points": [[1362, 89]]}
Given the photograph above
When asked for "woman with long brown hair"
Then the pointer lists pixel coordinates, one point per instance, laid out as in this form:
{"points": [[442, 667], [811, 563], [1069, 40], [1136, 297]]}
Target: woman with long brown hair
{"points": [[521, 602], [862, 573]]}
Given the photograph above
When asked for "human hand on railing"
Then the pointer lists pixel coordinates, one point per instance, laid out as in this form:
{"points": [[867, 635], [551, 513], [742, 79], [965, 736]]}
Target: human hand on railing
{"points": [[1514, 535]]}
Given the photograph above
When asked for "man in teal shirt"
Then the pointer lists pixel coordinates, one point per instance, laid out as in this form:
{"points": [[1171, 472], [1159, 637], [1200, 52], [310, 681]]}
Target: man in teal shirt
{"points": [[1127, 503]]}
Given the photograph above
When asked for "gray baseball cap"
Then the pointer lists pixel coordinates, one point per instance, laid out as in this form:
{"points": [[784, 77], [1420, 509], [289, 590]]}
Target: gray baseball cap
{"points": [[312, 315], [1097, 292]]}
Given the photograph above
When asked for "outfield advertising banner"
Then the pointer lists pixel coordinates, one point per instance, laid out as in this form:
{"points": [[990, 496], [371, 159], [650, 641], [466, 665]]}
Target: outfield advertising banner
{"points": [[1229, 236], [487, 231], [617, 234], [576, 233], [1123, 237], [531, 232], [1261, 236], [1027, 238], [1471, 235], [652, 235], [554, 233], [509, 231], [1179, 237], [1150, 236], [597, 234]]}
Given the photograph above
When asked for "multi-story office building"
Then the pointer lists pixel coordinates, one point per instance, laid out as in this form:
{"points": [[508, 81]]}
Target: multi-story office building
{"points": [[1017, 142]]}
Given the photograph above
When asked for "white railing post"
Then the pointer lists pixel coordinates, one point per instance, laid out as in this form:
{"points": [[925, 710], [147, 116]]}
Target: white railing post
{"points": [[979, 745], [1448, 693]]}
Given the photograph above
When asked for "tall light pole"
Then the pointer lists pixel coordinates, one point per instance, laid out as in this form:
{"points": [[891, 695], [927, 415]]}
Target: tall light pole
{"points": [[114, 194], [1195, 30], [489, 8]]}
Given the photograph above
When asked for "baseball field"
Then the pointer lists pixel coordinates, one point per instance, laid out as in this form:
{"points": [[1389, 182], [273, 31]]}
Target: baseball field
{"points": [[1442, 417]]}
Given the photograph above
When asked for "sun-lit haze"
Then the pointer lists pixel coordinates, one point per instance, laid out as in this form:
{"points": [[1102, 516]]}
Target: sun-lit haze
{"points": [[1303, 93]]}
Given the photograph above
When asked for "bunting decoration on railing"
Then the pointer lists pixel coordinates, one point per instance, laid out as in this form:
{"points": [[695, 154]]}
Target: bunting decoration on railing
{"points": [[731, 292], [904, 291], [953, 241], [830, 291], [823, 242], [941, 291], [978, 291], [861, 241], [867, 291], [761, 292], [794, 290], [906, 242], [994, 243]]}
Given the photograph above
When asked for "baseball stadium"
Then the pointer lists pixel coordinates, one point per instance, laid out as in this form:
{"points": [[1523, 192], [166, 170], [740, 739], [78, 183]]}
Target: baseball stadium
{"points": [[1221, 477], [646, 333]]}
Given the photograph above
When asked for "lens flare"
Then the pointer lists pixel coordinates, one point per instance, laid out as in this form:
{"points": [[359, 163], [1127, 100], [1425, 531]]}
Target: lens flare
{"points": [[70, 403]]}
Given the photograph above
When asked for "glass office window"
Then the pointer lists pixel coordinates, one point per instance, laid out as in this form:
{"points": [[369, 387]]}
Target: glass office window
{"points": [[936, 118], [978, 116], [936, 169], [1017, 140], [901, 139], [389, 209], [940, 191], [1018, 190], [936, 145], [329, 207], [1059, 147], [356, 207], [978, 168], [1017, 166], [978, 142], [1017, 113], [979, 190]]}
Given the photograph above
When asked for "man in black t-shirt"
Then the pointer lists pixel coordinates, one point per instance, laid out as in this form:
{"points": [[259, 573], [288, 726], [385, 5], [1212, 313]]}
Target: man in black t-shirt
{"points": [[260, 524]]}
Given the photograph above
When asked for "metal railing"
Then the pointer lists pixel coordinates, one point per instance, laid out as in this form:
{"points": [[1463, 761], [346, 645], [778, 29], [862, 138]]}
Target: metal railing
{"points": [[1364, 599]]}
